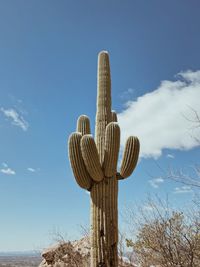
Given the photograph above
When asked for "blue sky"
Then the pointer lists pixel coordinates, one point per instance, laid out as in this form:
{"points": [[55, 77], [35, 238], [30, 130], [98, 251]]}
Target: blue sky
{"points": [[48, 64]]}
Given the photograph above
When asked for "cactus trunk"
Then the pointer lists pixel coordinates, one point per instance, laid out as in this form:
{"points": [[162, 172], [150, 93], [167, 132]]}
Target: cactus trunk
{"points": [[104, 228], [94, 164], [104, 195]]}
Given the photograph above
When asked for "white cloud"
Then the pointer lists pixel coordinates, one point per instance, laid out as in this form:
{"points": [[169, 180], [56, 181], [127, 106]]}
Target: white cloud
{"points": [[16, 118], [183, 189], [156, 182], [159, 118], [170, 156], [31, 169], [7, 171]]}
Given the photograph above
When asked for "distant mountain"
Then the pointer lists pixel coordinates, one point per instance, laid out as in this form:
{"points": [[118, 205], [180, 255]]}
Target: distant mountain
{"points": [[20, 253]]}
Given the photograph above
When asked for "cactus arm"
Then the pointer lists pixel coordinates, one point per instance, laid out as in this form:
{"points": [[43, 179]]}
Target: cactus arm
{"points": [[91, 158], [77, 164], [113, 116], [112, 143], [83, 125], [103, 115], [130, 156]]}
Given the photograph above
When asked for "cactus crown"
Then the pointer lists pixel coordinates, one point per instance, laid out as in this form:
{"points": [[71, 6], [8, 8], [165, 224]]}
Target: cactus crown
{"points": [[92, 161]]}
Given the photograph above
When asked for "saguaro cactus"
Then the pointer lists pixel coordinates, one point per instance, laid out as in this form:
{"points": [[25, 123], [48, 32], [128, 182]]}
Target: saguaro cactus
{"points": [[94, 164]]}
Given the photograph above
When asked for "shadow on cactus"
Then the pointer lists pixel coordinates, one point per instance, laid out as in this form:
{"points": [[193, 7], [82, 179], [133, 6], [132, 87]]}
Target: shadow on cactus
{"points": [[94, 164]]}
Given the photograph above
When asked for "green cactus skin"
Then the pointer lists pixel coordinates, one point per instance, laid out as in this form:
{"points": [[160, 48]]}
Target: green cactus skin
{"points": [[91, 158], [80, 172], [112, 143], [129, 159], [94, 164], [83, 125]]}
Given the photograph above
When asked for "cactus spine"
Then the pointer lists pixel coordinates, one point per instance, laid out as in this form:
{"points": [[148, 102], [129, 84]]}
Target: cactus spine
{"points": [[94, 164]]}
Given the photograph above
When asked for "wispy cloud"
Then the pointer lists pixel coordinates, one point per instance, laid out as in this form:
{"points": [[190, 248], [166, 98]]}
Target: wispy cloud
{"points": [[31, 169], [159, 118], [16, 118], [6, 170], [170, 156], [156, 182], [183, 189]]}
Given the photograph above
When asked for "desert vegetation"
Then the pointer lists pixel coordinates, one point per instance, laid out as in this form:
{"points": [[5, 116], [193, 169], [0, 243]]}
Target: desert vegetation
{"points": [[157, 236], [163, 236]]}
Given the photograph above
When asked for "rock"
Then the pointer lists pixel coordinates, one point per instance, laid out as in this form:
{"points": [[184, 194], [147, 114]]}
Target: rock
{"points": [[71, 254], [66, 254]]}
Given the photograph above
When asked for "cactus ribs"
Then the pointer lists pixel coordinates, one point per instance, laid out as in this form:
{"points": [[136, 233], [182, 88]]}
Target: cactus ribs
{"points": [[94, 164]]}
